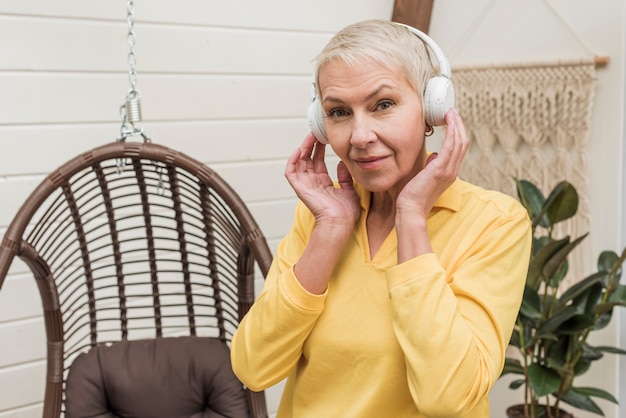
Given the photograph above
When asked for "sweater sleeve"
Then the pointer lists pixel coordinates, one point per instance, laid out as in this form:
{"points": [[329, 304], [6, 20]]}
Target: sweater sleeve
{"points": [[454, 326], [268, 342]]}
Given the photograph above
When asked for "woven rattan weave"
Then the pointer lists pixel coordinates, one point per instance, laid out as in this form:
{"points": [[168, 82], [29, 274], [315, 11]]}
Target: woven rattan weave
{"points": [[161, 247]]}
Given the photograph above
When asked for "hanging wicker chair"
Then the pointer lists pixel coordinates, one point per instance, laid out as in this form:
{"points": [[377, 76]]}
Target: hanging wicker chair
{"points": [[136, 242]]}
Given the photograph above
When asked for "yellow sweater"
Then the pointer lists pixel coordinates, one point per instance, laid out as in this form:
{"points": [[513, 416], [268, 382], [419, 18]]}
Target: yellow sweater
{"points": [[425, 338]]}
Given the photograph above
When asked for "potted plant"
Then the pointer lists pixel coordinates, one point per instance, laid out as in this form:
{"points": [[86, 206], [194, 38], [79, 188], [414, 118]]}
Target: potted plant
{"points": [[554, 323]]}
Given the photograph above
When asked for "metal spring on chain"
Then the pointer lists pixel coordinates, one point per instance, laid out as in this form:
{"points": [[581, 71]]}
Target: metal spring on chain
{"points": [[132, 107]]}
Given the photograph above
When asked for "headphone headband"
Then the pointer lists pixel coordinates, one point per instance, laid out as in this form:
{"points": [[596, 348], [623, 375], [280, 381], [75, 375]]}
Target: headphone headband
{"points": [[444, 66]]}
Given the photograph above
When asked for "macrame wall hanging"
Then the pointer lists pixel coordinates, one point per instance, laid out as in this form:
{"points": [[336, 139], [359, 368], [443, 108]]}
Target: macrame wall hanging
{"points": [[530, 122]]}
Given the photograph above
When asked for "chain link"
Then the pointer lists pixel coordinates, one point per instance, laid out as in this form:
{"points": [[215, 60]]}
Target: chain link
{"points": [[132, 58], [131, 109]]}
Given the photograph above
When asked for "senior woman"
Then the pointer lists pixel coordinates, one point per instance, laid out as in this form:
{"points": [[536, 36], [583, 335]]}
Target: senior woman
{"points": [[395, 292]]}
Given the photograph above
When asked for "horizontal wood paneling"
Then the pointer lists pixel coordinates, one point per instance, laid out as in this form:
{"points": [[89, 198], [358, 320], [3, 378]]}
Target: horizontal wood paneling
{"points": [[22, 385], [19, 298], [267, 215], [212, 142], [16, 192], [53, 45], [251, 180], [320, 15], [30, 334], [72, 98], [30, 411]]}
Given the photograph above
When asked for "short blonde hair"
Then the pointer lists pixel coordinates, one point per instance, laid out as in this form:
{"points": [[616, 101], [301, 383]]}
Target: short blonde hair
{"points": [[383, 42]]}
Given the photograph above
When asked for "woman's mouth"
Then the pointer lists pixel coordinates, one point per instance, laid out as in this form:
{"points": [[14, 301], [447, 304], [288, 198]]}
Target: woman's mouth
{"points": [[370, 163]]}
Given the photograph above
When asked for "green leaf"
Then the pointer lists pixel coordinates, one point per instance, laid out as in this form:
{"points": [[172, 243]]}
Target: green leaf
{"points": [[595, 392], [562, 203], [517, 384], [603, 320], [619, 295], [554, 263], [545, 335], [581, 401], [557, 354], [557, 319], [606, 261], [579, 288], [613, 350], [582, 366], [557, 363], [512, 366], [532, 199], [541, 257], [603, 308], [588, 300], [531, 305], [591, 353], [543, 381], [576, 323], [559, 275]]}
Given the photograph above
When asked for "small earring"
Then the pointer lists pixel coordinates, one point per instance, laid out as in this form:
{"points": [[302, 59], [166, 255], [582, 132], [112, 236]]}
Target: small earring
{"points": [[429, 131]]}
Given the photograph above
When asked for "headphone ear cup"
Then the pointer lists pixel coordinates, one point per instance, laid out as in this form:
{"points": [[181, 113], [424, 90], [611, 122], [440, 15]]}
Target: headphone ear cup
{"points": [[438, 99], [315, 114]]}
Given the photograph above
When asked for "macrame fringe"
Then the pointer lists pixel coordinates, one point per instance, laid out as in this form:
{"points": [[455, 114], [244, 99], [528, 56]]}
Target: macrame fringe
{"points": [[530, 122]]}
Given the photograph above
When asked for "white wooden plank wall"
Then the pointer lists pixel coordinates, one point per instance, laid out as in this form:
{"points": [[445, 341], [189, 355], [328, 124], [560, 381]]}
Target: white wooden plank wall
{"points": [[226, 82]]}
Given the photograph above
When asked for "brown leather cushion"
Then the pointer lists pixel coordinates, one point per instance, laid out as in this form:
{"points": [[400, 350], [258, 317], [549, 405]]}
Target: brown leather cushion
{"points": [[165, 377]]}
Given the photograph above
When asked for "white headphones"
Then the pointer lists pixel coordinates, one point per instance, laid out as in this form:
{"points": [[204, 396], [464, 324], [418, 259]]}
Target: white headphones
{"points": [[438, 95]]}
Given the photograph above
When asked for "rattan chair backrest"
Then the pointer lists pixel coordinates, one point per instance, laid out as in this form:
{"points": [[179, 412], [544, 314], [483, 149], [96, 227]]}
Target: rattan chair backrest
{"points": [[134, 240]]}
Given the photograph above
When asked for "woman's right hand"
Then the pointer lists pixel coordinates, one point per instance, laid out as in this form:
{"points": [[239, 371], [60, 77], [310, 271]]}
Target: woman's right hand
{"points": [[307, 174]]}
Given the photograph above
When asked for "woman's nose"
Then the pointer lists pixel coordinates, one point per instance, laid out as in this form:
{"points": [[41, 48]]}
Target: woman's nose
{"points": [[362, 131]]}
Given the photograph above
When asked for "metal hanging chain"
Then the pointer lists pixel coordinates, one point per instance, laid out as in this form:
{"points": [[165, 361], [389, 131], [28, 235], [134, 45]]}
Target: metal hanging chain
{"points": [[132, 58], [131, 109]]}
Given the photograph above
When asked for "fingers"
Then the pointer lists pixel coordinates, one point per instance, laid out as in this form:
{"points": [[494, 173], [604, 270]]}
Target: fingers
{"points": [[308, 157], [460, 136], [344, 178], [319, 165], [307, 145], [431, 157], [456, 142]]}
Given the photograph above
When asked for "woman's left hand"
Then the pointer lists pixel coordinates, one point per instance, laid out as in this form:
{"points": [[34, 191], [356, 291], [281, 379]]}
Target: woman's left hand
{"points": [[440, 171]]}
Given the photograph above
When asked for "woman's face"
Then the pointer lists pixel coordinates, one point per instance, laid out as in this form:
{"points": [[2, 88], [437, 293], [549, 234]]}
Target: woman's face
{"points": [[374, 123]]}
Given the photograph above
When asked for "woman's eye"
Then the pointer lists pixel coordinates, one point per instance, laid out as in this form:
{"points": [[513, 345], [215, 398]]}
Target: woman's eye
{"points": [[384, 104], [337, 113]]}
